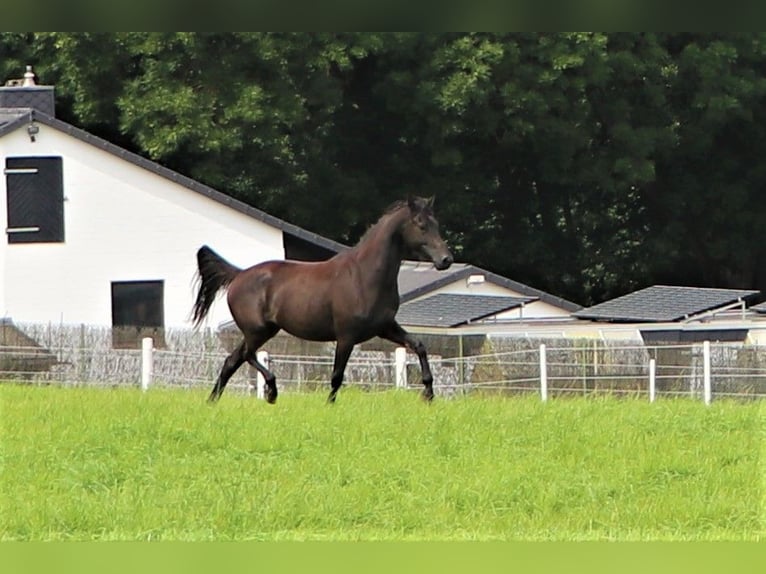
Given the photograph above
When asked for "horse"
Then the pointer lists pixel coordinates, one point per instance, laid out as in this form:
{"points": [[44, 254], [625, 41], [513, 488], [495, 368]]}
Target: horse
{"points": [[349, 298]]}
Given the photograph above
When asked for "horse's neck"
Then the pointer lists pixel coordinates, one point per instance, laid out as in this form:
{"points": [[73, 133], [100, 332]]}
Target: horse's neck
{"points": [[380, 253]]}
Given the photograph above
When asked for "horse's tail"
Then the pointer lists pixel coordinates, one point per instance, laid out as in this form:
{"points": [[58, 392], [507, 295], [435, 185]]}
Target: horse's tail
{"points": [[213, 274]]}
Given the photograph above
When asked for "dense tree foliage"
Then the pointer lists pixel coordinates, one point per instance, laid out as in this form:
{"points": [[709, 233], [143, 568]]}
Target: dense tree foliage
{"points": [[585, 164]]}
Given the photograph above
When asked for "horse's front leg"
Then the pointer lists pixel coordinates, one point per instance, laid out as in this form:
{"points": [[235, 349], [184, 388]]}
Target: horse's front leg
{"points": [[342, 353], [396, 334]]}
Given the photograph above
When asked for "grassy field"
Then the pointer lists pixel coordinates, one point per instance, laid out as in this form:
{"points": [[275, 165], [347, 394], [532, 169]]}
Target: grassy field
{"points": [[85, 464]]}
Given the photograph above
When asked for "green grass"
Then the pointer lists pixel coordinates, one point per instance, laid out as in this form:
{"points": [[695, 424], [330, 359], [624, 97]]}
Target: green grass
{"points": [[85, 464]]}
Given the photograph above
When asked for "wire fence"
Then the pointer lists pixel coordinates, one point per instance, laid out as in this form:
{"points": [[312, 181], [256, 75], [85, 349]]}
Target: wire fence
{"points": [[79, 356]]}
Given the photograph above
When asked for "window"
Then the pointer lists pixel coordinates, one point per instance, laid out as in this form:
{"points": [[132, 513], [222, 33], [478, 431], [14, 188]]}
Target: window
{"points": [[137, 312], [35, 199]]}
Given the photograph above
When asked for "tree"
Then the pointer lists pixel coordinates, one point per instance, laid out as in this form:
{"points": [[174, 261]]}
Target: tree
{"points": [[543, 142], [707, 206], [585, 164]]}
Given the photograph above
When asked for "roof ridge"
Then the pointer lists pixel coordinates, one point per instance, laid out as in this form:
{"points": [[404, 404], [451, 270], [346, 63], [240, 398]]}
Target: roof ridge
{"points": [[28, 114], [694, 287]]}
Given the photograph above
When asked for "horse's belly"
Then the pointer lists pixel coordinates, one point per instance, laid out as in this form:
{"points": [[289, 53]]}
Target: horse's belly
{"points": [[325, 313], [306, 321], [309, 332], [324, 326]]}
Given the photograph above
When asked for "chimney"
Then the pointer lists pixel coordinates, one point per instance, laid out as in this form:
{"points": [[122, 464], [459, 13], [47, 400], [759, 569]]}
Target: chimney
{"points": [[25, 93]]}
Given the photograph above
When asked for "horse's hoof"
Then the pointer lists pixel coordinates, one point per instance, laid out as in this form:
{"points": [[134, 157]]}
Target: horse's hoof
{"points": [[427, 396]]}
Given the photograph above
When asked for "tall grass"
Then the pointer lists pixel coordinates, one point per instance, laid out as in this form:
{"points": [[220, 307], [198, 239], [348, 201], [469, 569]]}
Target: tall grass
{"points": [[121, 465]]}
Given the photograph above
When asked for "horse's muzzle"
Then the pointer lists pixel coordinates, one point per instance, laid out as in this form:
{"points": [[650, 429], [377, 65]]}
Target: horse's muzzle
{"points": [[443, 263]]}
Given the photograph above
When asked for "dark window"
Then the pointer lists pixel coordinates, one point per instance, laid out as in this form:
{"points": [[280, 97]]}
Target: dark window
{"points": [[137, 312], [35, 199]]}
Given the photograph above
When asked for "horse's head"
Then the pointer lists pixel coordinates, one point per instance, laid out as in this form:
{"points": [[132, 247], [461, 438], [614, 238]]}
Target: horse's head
{"points": [[421, 233]]}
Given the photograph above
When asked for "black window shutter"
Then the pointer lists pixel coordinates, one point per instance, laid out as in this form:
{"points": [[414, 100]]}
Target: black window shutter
{"points": [[35, 188]]}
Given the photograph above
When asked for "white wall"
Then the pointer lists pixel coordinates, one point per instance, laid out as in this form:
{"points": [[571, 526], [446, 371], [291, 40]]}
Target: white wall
{"points": [[122, 223]]}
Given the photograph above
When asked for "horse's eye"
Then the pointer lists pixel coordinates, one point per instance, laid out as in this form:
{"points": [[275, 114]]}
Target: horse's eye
{"points": [[420, 223]]}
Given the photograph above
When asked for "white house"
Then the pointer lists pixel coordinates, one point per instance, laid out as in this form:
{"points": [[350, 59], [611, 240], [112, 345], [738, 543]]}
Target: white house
{"points": [[469, 295], [95, 234]]}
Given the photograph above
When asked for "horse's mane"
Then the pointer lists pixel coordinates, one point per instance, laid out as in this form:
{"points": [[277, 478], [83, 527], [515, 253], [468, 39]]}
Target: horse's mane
{"points": [[395, 206], [391, 209]]}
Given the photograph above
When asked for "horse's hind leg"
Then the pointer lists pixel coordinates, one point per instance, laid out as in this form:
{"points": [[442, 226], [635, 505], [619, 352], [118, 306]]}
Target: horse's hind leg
{"points": [[230, 366], [342, 353], [255, 340]]}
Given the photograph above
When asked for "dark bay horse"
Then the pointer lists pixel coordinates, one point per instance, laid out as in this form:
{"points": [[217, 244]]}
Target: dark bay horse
{"points": [[349, 298]]}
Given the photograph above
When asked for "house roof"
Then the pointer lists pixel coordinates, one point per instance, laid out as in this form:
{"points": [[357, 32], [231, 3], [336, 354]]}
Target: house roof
{"points": [[760, 308], [453, 309], [663, 303], [14, 118], [417, 279]]}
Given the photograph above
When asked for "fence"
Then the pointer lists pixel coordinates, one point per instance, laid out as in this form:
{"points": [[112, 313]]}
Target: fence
{"points": [[84, 356], [585, 367]]}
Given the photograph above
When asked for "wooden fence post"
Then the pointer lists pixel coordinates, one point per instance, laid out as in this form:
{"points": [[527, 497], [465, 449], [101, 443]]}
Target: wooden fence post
{"points": [[260, 382], [706, 381], [543, 374], [147, 362], [400, 368]]}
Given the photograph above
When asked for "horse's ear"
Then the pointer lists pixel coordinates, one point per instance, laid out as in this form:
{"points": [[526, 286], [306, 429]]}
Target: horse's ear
{"points": [[430, 202], [412, 203]]}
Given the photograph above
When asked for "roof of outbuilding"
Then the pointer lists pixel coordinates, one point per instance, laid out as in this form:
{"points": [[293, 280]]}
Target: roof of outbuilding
{"points": [[760, 308], [453, 309], [14, 118], [419, 278], [663, 303]]}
